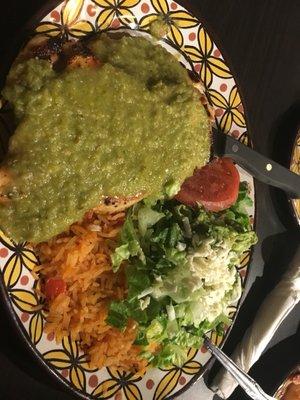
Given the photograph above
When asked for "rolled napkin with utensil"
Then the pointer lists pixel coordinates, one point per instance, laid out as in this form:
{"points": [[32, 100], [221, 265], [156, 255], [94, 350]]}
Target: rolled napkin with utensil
{"points": [[277, 305]]}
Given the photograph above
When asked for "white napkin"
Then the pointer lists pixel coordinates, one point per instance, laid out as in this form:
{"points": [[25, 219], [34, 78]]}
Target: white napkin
{"points": [[277, 305]]}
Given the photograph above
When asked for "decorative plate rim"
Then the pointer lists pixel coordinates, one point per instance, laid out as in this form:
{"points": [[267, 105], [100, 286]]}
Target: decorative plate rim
{"points": [[288, 376], [25, 33]]}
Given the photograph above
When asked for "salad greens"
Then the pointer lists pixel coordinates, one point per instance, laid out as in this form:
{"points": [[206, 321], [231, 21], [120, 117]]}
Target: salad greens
{"points": [[181, 273]]}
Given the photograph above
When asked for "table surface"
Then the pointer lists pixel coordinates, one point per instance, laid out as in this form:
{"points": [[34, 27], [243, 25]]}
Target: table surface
{"points": [[260, 40]]}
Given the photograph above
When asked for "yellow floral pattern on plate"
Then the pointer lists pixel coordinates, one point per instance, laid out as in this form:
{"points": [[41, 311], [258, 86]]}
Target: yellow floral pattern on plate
{"points": [[230, 107], [119, 382], [26, 300], [210, 65], [188, 40], [176, 20], [71, 360], [174, 373], [115, 9], [69, 22]]}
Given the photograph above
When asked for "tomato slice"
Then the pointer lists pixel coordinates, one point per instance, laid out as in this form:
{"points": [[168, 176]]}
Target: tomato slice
{"points": [[215, 186], [54, 287]]}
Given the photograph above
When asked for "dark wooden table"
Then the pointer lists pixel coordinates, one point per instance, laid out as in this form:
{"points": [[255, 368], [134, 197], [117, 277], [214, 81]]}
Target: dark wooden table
{"points": [[260, 39]]}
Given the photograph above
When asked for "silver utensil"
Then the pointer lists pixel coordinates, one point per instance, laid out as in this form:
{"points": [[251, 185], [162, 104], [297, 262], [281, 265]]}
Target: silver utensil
{"points": [[252, 388], [259, 166]]}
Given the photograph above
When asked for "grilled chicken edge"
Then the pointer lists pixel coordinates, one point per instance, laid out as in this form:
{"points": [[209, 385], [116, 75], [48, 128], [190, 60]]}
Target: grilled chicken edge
{"points": [[72, 54]]}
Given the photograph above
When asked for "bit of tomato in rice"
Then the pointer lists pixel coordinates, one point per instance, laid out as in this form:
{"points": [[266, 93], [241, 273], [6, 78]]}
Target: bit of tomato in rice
{"points": [[78, 283]]}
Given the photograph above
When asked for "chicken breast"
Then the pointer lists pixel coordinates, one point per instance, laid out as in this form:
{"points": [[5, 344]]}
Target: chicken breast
{"points": [[71, 55]]}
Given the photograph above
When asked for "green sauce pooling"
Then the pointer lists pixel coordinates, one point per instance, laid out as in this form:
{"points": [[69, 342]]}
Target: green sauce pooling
{"points": [[132, 125]]}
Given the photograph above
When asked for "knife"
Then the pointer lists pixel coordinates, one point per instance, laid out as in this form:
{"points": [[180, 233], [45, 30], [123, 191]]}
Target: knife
{"points": [[259, 166]]}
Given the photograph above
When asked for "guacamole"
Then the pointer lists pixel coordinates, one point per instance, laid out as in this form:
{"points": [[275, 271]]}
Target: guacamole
{"points": [[133, 124]]}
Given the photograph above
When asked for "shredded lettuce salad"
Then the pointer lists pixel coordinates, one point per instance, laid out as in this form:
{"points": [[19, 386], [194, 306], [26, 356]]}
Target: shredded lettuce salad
{"points": [[181, 273]]}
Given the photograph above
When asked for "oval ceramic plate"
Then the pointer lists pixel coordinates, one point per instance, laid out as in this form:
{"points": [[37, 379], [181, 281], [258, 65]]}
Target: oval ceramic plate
{"points": [[189, 41], [283, 387]]}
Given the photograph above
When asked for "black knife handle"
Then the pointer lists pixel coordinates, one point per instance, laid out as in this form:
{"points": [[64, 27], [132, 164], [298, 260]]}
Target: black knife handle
{"points": [[262, 168]]}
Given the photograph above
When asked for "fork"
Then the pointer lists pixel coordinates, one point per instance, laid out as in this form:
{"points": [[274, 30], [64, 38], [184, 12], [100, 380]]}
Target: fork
{"points": [[249, 385]]}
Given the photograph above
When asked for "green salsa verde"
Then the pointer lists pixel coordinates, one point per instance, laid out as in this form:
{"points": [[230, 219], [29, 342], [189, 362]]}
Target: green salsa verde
{"points": [[132, 125]]}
